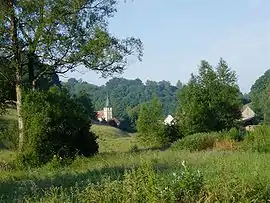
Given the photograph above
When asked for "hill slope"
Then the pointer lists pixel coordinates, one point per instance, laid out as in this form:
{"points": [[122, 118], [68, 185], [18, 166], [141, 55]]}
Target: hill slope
{"points": [[126, 93]]}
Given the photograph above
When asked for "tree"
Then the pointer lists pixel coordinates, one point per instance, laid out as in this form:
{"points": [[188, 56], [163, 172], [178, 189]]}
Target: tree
{"points": [[63, 35], [150, 124], [179, 84], [210, 101], [85, 101], [133, 114], [7, 86], [126, 95], [56, 125], [258, 95]]}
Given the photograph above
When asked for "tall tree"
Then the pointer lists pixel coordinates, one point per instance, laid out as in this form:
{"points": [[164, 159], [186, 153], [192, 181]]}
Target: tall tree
{"points": [[210, 101], [258, 94], [150, 124], [179, 84], [63, 35]]}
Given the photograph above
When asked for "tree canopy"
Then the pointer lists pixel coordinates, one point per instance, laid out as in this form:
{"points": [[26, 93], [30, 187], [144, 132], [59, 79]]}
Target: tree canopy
{"points": [[66, 34], [126, 95], [150, 123], [210, 101], [258, 94], [61, 36]]}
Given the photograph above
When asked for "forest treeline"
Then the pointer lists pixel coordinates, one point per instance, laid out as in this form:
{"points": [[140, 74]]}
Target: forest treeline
{"points": [[125, 95]]}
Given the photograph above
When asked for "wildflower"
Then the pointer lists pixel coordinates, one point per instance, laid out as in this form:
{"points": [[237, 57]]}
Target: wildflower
{"points": [[183, 164]]}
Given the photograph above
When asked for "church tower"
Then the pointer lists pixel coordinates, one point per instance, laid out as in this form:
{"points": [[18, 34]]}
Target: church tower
{"points": [[107, 110]]}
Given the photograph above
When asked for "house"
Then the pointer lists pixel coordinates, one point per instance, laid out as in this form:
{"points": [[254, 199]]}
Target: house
{"points": [[169, 120], [248, 118], [247, 113]]}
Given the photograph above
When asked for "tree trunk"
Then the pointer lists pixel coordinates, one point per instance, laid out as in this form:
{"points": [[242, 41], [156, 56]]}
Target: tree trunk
{"points": [[19, 104], [17, 69]]}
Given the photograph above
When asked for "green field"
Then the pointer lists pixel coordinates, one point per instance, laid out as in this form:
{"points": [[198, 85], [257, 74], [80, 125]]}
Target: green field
{"points": [[227, 176]]}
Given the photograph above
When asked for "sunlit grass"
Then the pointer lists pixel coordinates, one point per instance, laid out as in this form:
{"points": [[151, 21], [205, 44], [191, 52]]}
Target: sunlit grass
{"points": [[229, 175]]}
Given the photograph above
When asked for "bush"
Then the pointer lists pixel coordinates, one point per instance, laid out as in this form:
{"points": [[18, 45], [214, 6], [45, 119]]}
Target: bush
{"points": [[112, 123], [258, 140], [172, 133], [196, 142], [234, 134], [57, 125]]}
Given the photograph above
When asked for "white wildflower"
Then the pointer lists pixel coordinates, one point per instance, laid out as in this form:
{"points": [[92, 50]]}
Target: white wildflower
{"points": [[183, 164]]}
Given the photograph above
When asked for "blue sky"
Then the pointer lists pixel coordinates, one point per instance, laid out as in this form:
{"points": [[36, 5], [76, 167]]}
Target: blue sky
{"points": [[178, 34]]}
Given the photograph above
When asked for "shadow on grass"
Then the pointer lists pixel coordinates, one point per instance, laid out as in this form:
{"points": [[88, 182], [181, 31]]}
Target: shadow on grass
{"points": [[4, 123], [18, 189], [137, 151]]}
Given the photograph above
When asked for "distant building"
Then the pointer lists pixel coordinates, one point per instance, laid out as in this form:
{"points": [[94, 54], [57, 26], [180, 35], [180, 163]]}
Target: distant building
{"points": [[106, 114], [247, 113], [248, 119], [169, 120]]}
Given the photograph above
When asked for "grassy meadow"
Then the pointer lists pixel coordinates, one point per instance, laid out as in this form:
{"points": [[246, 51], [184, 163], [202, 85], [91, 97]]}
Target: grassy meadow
{"points": [[122, 172]]}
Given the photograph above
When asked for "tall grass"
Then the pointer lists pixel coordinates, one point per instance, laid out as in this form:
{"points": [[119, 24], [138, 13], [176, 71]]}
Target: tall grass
{"points": [[227, 176], [144, 175]]}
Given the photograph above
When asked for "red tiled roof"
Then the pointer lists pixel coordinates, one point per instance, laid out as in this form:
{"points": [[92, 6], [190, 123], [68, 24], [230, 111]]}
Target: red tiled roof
{"points": [[100, 114]]}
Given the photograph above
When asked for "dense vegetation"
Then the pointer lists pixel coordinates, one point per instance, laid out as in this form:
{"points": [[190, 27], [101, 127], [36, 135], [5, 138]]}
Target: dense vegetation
{"points": [[125, 95], [211, 101], [216, 170], [55, 126], [53, 153], [259, 95]]}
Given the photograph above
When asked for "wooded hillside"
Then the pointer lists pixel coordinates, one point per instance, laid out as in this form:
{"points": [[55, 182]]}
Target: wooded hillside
{"points": [[127, 94]]}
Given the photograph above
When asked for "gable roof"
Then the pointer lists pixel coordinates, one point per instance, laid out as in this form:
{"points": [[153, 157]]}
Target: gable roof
{"points": [[247, 113], [168, 120]]}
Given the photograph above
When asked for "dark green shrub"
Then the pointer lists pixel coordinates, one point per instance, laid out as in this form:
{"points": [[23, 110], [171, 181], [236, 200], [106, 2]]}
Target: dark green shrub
{"points": [[57, 125], [258, 140], [233, 134], [172, 133], [9, 136], [112, 123], [196, 142]]}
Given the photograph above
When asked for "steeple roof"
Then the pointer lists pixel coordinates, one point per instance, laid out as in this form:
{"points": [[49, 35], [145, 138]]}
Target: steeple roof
{"points": [[107, 101]]}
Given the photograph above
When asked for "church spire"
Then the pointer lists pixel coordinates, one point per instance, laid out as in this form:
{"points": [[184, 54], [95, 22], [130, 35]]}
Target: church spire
{"points": [[107, 101]]}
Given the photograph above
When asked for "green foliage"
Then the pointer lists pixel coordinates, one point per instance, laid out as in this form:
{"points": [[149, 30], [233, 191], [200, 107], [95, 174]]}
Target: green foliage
{"points": [[7, 86], [9, 136], [196, 142], [172, 132], [145, 184], [258, 94], [127, 95], [83, 98], [57, 125], [210, 101], [7, 80], [258, 140], [223, 176], [82, 40], [150, 124], [235, 134]]}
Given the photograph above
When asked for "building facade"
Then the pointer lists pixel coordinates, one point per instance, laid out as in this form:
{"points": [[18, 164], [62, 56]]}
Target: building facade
{"points": [[107, 113]]}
